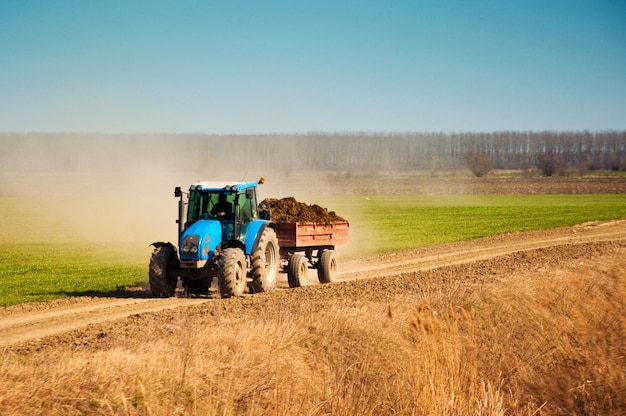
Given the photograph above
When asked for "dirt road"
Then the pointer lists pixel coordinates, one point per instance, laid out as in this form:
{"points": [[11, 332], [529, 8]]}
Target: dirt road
{"points": [[31, 322]]}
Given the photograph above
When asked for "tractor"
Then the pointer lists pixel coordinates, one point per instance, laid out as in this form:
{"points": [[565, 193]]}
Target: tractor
{"points": [[221, 234]]}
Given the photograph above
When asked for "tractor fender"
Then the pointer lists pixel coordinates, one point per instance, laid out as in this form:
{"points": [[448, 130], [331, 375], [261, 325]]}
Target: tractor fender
{"points": [[158, 244], [254, 233]]}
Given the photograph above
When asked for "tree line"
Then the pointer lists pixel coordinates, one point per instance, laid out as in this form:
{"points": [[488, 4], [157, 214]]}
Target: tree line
{"points": [[343, 151]]}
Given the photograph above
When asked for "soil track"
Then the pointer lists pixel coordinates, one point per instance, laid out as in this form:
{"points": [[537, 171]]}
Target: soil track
{"points": [[35, 323]]}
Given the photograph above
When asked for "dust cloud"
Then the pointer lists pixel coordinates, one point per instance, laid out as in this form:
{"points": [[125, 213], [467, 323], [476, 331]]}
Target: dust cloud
{"points": [[119, 189]]}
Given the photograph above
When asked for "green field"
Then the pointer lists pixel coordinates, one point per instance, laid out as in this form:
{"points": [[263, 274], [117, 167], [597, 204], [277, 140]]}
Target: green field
{"points": [[397, 222], [37, 272], [42, 259]]}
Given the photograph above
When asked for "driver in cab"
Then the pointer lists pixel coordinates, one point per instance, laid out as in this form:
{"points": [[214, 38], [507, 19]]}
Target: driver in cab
{"points": [[222, 208]]}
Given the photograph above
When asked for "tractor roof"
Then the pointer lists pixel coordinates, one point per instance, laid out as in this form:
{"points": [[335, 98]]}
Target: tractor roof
{"points": [[222, 186]]}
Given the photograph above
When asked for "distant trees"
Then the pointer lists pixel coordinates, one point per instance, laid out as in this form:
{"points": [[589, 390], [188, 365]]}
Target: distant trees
{"points": [[547, 152], [550, 163], [479, 163]]}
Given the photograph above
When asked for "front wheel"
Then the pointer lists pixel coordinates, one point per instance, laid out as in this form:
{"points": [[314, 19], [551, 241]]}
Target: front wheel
{"points": [[327, 266], [264, 267], [162, 259], [231, 272]]}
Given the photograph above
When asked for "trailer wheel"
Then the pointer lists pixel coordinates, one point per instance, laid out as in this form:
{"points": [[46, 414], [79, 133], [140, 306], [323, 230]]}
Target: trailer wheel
{"points": [[327, 266], [264, 267], [163, 257], [297, 270], [231, 272]]}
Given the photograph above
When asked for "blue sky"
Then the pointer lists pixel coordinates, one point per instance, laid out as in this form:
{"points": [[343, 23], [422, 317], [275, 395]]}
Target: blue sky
{"points": [[253, 67]]}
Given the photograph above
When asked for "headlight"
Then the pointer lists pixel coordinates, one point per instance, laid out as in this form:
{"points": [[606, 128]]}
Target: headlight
{"points": [[190, 244]]}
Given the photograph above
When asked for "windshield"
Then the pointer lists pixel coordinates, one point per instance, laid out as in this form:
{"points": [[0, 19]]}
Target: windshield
{"points": [[216, 205]]}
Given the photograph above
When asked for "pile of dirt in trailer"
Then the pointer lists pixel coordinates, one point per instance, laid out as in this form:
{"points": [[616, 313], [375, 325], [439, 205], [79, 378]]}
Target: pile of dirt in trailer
{"points": [[290, 210]]}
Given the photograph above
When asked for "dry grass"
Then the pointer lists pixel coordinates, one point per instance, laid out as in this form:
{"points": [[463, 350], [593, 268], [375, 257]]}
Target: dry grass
{"points": [[550, 341]]}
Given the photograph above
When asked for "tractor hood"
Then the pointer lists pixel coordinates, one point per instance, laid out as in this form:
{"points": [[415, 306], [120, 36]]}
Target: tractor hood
{"points": [[199, 241]]}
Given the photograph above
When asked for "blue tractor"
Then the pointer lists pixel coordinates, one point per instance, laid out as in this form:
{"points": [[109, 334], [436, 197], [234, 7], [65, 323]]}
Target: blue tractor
{"points": [[220, 234]]}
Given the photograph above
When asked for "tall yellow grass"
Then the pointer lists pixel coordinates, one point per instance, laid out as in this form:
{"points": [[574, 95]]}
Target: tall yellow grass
{"points": [[537, 341]]}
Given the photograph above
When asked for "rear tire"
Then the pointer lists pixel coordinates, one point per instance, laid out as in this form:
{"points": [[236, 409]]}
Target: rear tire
{"points": [[265, 263], [162, 259], [231, 272], [327, 266], [297, 270]]}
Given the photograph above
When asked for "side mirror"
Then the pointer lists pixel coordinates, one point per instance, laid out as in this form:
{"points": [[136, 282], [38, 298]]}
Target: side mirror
{"points": [[264, 212], [265, 215], [177, 192]]}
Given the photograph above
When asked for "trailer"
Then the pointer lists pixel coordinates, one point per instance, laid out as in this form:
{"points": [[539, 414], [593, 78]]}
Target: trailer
{"points": [[310, 245]]}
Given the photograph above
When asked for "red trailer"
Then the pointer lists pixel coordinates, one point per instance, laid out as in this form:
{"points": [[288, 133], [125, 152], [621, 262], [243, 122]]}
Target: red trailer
{"points": [[310, 245]]}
